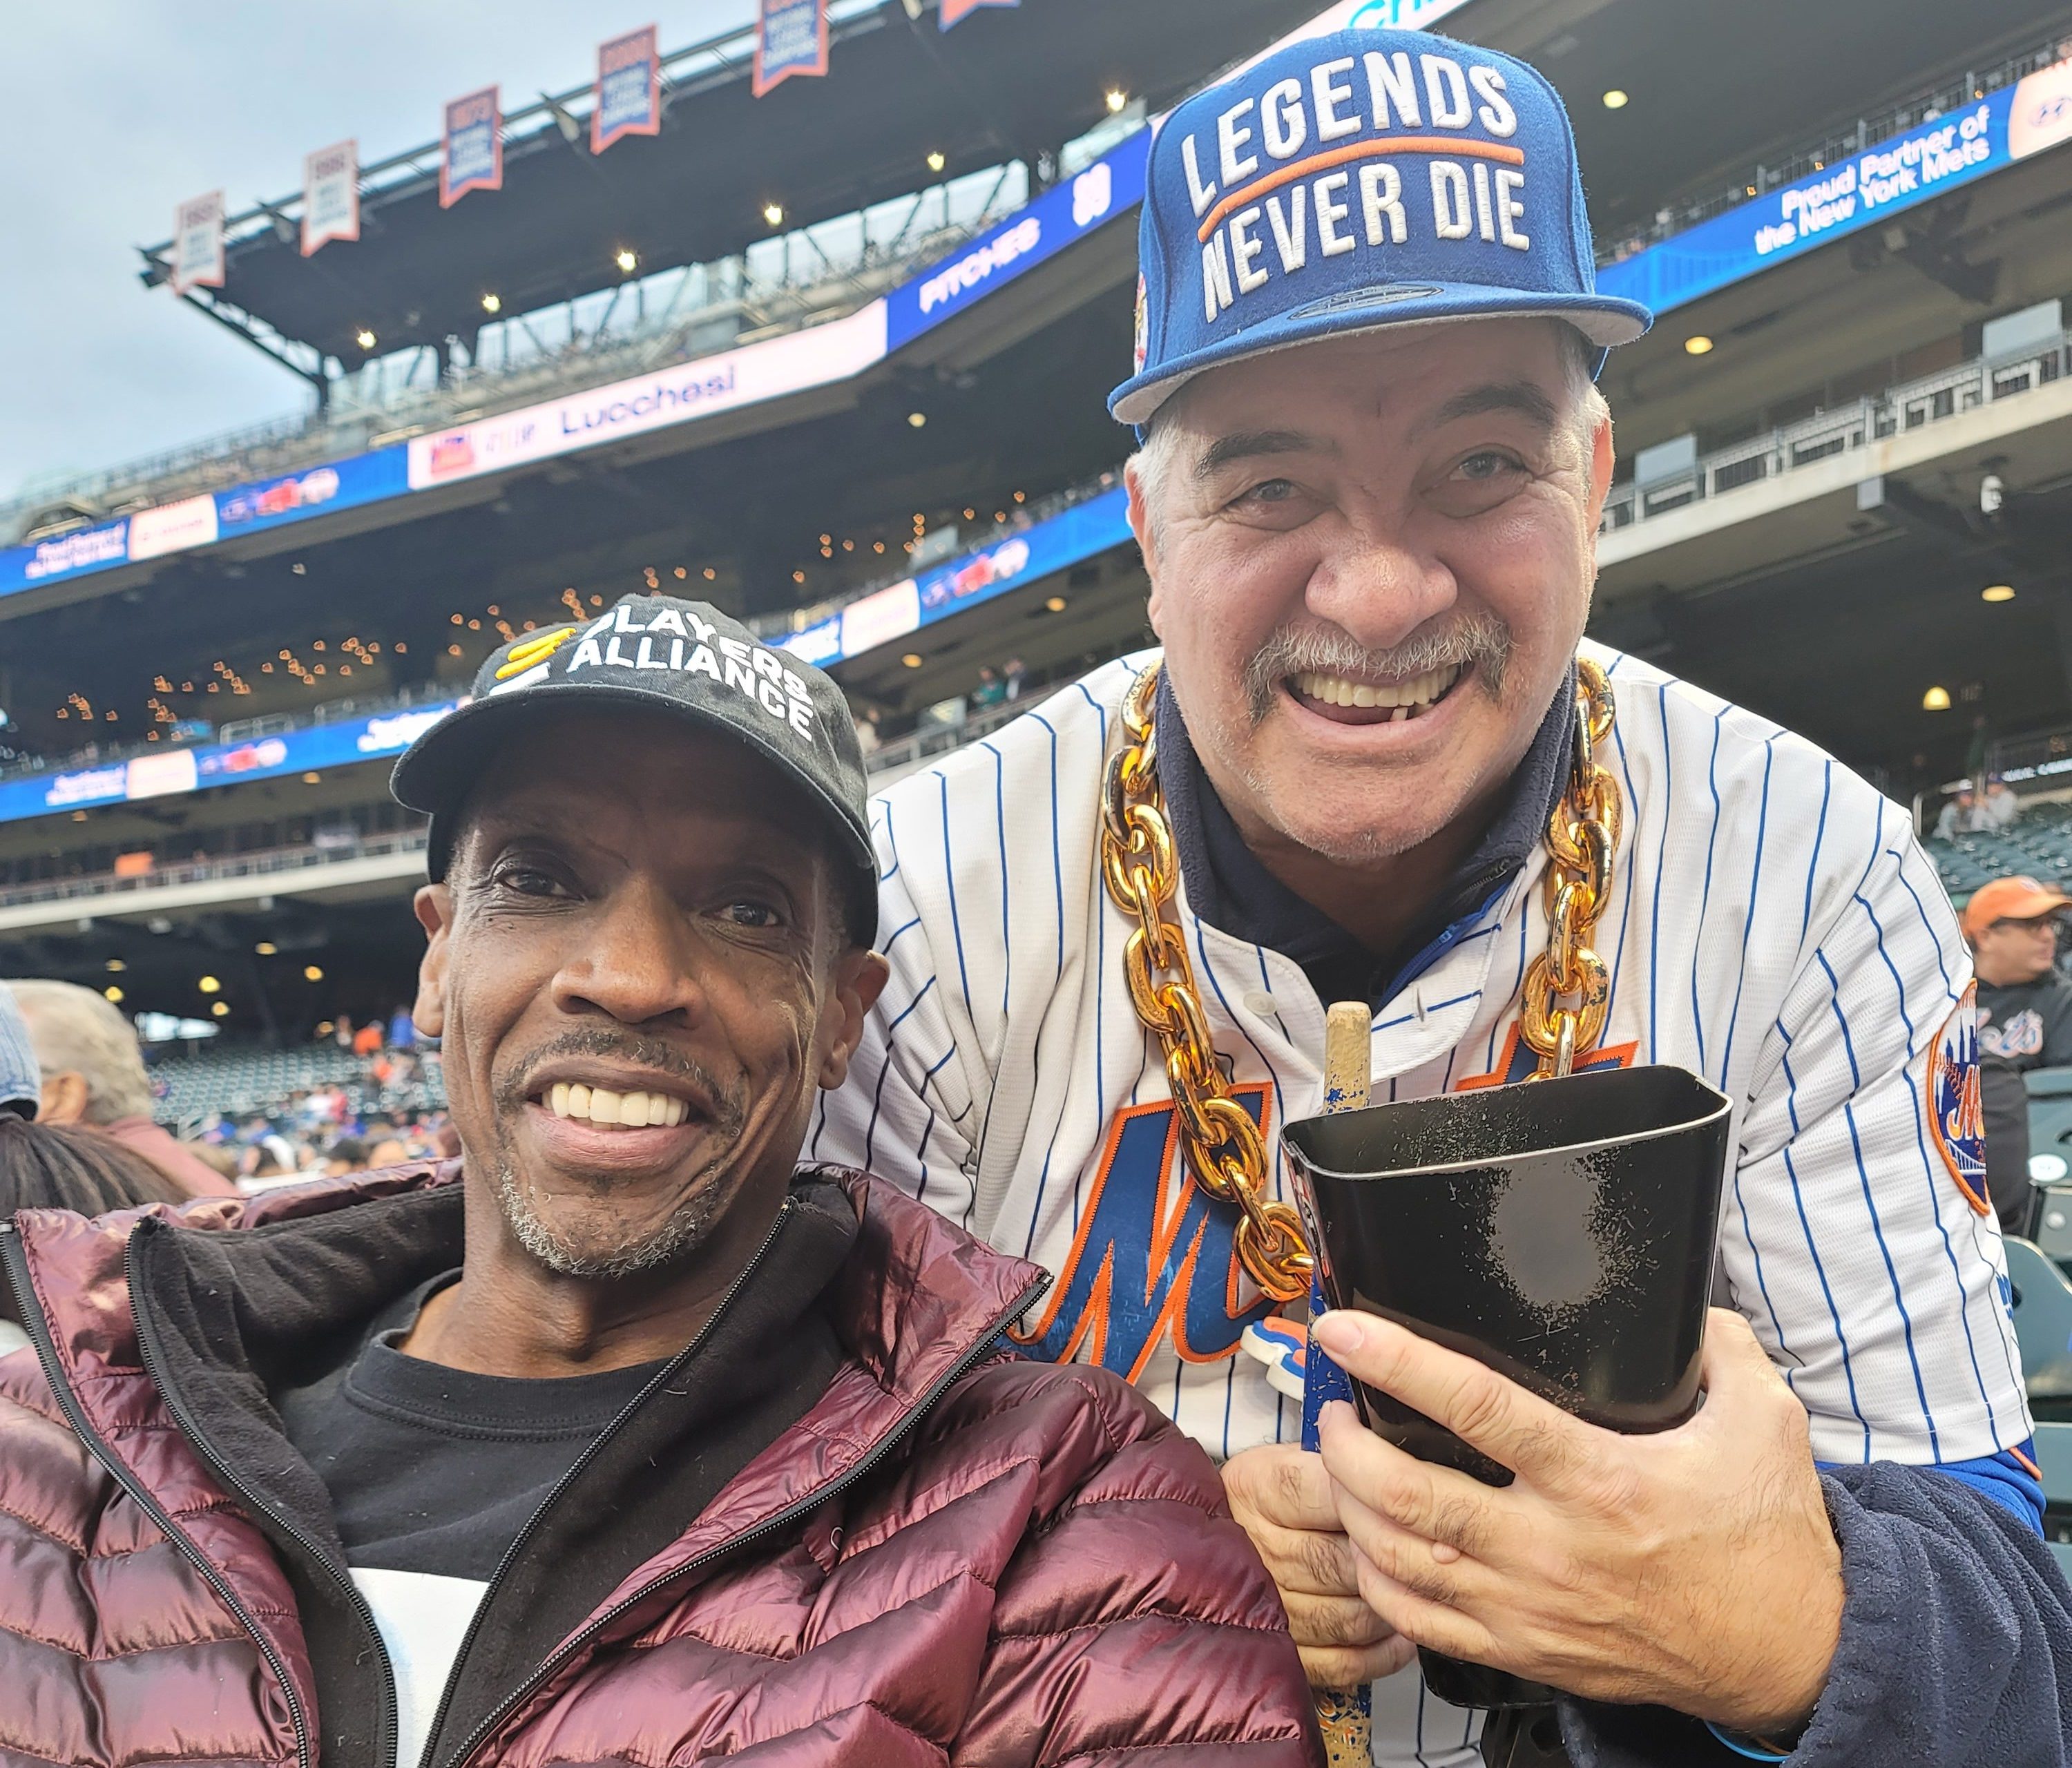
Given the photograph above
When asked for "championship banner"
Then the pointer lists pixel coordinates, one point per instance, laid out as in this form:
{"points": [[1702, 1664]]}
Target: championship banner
{"points": [[330, 196], [955, 12], [629, 89], [790, 37], [198, 243], [471, 150]]}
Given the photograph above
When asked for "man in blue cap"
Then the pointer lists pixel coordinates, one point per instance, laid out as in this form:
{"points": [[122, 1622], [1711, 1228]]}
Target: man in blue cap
{"points": [[1374, 760]]}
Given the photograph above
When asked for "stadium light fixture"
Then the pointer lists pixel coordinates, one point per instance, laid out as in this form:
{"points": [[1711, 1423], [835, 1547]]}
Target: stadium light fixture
{"points": [[1997, 592], [221, 1009], [1698, 346], [774, 214], [1116, 99], [1056, 604], [113, 994], [1615, 100], [912, 660], [115, 967], [208, 984], [266, 948], [917, 418], [311, 973], [363, 338], [937, 162], [492, 303], [311, 779], [1935, 700], [627, 260]]}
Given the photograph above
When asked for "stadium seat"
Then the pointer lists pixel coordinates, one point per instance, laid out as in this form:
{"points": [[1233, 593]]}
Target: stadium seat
{"points": [[2054, 1462], [2042, 1298]]}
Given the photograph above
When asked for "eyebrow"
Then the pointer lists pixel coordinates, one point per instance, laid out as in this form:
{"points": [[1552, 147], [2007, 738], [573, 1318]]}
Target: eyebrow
{"points": [[1521, 397], [1245, 444]]}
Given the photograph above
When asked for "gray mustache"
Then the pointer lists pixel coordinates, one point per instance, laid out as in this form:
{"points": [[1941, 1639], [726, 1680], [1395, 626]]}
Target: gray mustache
{"points": [[1470, 639]]}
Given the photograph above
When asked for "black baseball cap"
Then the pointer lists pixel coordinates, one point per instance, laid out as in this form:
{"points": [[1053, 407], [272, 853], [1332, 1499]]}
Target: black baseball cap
{"points": [[660, 654]]}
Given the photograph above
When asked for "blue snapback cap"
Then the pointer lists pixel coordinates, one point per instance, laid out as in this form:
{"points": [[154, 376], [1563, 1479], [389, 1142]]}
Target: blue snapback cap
{"points": [[1349, 182]]}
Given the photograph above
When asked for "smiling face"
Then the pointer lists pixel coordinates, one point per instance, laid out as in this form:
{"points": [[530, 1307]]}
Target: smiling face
{"points": [[1371, 561], [638, 963]]}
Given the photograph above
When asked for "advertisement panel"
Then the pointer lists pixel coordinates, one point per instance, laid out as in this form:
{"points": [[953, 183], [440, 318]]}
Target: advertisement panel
{"points": [[1922, 163], [202, 521], [790, 37], [471, 146], [1113, 185], [198, 243], [168, 772], [173, 528], [330, 196], [880, 618], [692, 390], [629, 89]]}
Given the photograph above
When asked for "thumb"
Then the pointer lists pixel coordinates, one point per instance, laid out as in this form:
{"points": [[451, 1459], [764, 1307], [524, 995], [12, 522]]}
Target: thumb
{"points": [[1734, 1359]]}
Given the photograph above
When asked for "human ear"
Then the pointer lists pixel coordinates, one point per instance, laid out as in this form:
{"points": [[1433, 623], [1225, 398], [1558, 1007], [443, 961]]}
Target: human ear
{"points": [[860, 977], [433, 907]]}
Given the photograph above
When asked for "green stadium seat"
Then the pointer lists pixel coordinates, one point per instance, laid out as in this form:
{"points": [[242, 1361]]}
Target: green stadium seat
{"points": [[2042, 1321]]}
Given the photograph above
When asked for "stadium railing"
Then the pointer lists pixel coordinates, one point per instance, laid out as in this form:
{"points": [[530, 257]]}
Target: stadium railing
{"points": [[885, 764], [1912, 405]]}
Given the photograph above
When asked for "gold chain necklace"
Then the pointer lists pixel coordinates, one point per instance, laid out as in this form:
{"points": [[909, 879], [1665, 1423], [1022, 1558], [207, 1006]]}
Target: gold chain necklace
{"points": [[1566, 994]]}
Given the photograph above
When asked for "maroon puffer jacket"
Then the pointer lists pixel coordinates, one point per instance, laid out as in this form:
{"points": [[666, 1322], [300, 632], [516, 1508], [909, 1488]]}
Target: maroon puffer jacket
{"points": [[950, 1557]]}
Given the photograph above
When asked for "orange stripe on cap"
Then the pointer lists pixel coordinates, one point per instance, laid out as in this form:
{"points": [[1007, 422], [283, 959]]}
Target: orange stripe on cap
{"points": [[1340, 156]]}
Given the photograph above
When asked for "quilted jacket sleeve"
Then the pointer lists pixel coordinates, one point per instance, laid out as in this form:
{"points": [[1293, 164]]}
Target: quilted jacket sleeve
{"points": [[1135, 1623]]}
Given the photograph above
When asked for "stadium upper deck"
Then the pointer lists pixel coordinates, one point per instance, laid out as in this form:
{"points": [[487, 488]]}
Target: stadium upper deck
{"points": [[781, 507]]}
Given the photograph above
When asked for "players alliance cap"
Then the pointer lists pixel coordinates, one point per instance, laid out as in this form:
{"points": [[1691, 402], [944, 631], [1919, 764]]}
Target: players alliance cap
{"points": [[1353, 181], [683, 660], [21, 1076], [2009, 899]]}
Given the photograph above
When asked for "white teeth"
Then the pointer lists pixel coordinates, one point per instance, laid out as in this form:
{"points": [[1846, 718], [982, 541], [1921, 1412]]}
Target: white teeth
{"points": [[1406, 698], [625, 1111]]}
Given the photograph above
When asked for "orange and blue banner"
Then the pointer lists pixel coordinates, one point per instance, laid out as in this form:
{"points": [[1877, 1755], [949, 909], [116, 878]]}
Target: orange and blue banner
{"points": [[790, 37], [956, 11], [629, 89], [471, 146]]}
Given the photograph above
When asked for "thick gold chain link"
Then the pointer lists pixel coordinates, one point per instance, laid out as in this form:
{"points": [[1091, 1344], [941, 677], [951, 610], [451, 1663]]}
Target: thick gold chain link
{"points": [[1566, 994], [1567, 989]]}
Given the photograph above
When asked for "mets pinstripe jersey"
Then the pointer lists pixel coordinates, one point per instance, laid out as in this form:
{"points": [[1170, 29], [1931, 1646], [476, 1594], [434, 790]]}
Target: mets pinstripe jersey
{"points": [[1774, 927]]}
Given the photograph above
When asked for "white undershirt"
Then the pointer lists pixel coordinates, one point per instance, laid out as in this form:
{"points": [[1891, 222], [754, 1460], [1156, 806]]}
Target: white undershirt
{"points": [[422, 1618]]}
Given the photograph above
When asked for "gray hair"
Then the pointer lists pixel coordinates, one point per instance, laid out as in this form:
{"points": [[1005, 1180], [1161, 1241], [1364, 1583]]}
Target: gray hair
{"points": [[74, 1030], [1153, 460]]}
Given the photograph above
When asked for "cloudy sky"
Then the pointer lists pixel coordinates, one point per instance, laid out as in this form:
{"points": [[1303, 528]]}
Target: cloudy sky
{"points": [[133, 105]]}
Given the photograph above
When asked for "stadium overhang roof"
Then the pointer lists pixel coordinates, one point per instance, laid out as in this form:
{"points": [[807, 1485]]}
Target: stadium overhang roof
{"points": [[1006, 84]]}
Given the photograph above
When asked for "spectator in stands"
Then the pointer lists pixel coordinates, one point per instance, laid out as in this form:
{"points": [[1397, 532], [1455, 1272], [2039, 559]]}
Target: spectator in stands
{"points": [[1959, 816], [93, 1073], [367, 1041], [402, 1034], [627, 1334], [2025, 1022], [348, 1154], [1999, 806], [1014, 673], [991, 690]]}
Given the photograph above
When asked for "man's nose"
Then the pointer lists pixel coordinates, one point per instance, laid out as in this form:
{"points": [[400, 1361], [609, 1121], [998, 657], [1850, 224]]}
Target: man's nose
{"points": [[1377, 587], [638, 962]]}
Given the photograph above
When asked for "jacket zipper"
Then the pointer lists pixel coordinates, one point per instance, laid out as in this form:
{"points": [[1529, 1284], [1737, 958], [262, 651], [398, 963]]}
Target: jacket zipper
{"points": [[385, 1734], [14, 1257], [518, 1544], [770, 1525]]}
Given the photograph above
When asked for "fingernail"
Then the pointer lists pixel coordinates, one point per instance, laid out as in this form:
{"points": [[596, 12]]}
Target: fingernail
{"points": [[1335, 1413], [1339, 1332]]}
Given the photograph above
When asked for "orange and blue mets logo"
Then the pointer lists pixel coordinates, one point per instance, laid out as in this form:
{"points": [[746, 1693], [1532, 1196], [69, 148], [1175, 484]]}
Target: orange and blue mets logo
{"points": [[1956, 1117], [1154, 1259]]}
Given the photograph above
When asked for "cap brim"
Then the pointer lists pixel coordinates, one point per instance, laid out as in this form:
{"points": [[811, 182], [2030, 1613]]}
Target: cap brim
{"points": [[436, 772], [1604, 320]]}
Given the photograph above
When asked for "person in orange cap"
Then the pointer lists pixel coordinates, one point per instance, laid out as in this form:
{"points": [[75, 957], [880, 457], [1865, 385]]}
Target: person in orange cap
{"points": [[2025, 1022]]}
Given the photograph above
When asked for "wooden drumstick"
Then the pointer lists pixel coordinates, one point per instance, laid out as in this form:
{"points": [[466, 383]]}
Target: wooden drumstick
{"points": [[1341, 1713]]}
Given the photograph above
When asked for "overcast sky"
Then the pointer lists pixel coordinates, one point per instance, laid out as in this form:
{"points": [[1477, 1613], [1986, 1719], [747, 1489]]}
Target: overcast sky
{"points": [[133, 105]]}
